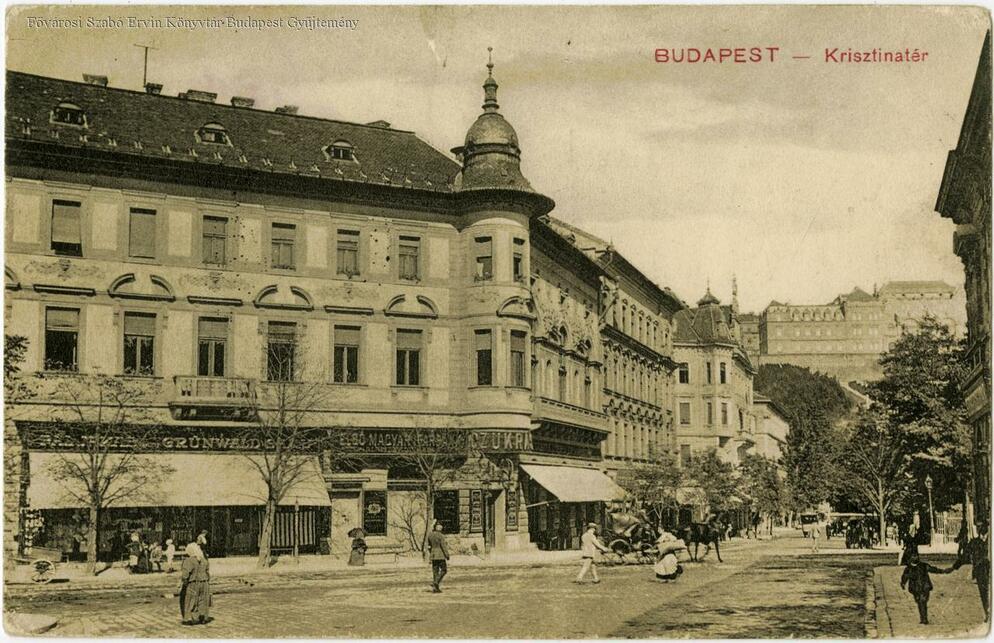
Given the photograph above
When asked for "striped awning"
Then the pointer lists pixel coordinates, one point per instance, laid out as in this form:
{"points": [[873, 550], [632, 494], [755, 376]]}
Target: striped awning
{"points": [[575, 484], [189, 480]]}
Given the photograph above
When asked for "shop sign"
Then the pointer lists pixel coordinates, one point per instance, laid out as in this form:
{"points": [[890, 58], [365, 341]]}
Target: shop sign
{"points": [[475, 511], [512, 508], [391, 441], [498, 440]]}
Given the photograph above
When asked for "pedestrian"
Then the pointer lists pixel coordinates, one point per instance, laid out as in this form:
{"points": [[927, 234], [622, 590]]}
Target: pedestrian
{"points": [[195, 587], [977, 553], [202, 541], [815, 535], [170, 554], [589, 545], [134, 552], [439, 553], [155, 555], [918, 583], [358, 556]]}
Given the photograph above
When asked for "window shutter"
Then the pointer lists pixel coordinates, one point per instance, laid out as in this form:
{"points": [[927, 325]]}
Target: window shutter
{"points": [[139, 324], [61, 319], [65, 222], [517, 341], [346, 335], [284, 232], [483, 340], [409, 339], [210, 328]]}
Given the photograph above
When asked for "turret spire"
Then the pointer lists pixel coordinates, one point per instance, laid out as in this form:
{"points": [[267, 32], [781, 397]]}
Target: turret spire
{"points": [[490, 85]]}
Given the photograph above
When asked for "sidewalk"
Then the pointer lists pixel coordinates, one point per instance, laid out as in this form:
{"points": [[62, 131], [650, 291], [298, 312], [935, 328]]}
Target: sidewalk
{"points": [[954, 609]]}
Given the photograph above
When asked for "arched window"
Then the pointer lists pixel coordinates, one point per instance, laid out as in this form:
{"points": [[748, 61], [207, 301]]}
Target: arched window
{"points": [[214, 133], [69, 114], [340, 150]]}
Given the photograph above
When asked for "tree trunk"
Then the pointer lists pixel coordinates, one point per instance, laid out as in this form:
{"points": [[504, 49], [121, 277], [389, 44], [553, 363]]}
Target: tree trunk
{"points": [[429, 517], [91, 539], [266, 537], [883, 517]]}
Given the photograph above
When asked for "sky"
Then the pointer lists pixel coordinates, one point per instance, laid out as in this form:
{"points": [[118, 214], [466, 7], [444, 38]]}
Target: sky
{"points": [[799, 177]]}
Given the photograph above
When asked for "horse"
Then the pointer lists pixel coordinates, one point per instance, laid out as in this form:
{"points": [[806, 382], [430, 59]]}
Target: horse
{"points": [[708, 533]]}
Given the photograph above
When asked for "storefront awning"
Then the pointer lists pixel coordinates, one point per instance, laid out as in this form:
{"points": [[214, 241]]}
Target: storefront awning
{"points": [[192, 480], [575, 484]]}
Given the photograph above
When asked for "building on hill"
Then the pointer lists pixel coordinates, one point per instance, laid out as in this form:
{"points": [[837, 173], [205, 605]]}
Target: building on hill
{"points": [[965, 198], [772, 427], [208, 253], [846, 337]]}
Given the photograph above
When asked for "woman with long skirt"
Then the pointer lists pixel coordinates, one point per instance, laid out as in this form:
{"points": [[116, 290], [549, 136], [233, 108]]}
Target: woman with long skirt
{"points": [[195, 589]]}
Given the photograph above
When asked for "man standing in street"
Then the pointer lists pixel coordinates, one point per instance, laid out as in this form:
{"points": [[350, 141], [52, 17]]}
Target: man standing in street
{"points": [[589, 546], [439, 554], [978, 554]]}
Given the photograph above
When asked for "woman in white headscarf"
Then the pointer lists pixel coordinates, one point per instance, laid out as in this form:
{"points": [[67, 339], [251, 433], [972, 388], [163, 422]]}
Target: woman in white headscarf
{"points": [[195, 588]]}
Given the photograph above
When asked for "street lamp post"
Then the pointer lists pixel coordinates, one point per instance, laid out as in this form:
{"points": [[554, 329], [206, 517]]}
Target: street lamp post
{"points": [[931, 514]]}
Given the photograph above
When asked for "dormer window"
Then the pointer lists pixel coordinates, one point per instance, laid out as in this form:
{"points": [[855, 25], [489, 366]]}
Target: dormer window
{"points": [[213, 133], [69, 114], [340, 151]]}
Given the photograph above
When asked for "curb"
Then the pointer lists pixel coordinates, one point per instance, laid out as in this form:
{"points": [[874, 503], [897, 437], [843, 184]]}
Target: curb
{"points": [[882, 614], [870, 609]]}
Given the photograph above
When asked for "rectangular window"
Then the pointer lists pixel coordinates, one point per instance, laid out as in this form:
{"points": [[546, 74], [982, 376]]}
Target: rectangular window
{"points": [[562, 385], [284, 235], [215, 235], [212, 343], [348, 252], [707, 371], [346, 357], [139, 343], [587, 393], [722, 374], [408, 358], [724, 413], [408, 251], [710, 413], [518, 261], [484, 253], [66, 236], [141, 234], [685, 455], [684, 412], [61, 339], [684, 374], [482, 343], [741, 421], [281, 351], [518, 339], [374, 513], [445, 510]]}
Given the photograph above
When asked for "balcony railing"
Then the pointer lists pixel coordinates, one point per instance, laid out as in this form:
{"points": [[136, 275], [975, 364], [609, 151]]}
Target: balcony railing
{"points": [[214, 390]]}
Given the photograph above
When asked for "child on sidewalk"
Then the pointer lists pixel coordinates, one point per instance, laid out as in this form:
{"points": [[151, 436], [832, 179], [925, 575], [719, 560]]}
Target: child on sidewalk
{"points": [[918, 583]]}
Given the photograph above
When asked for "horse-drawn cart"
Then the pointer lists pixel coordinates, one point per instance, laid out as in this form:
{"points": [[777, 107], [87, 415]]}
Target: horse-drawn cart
{"points": [[43, 562]]}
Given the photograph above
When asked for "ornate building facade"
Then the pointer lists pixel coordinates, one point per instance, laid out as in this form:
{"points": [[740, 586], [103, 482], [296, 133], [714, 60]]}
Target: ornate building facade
{"points": [[845, 337], [209, 253], [965, 198]]}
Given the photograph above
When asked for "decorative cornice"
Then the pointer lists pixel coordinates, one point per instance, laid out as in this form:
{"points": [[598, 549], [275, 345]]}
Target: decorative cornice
{"points": [[348, 310], [213, 301], [64, 290]]}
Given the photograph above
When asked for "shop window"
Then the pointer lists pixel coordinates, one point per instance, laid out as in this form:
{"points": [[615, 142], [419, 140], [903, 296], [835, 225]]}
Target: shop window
{"points": [[408, 253], [142, 233], [446, 511], [374, 513], [212, 343], [66, 236], [722, 373], [684, 412], [484, 253], [484, 357], [408, 358], [518, 357], [215, 233], [346, 357], [347, 249], [684, 374], [518, 260], [284, 236], [61, 339], [139, 343], [281, 351]]}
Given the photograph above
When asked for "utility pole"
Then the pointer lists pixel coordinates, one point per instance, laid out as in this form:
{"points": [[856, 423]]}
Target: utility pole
{"points": [[145, 68]]}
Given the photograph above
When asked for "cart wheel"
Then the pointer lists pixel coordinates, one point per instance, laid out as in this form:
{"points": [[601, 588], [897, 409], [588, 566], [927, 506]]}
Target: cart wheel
{"points": [[44, 571], [620, 547]]}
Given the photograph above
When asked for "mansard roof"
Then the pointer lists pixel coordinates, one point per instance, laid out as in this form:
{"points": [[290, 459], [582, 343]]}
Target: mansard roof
{"points": [[139, 124], [703, 325], [915, 287]]}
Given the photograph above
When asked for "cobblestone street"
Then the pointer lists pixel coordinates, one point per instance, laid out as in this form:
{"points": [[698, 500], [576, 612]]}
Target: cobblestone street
{"points": [[766, 589]]}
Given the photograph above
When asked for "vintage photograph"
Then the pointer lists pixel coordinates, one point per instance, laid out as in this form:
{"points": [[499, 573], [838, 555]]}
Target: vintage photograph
{"points": [[514, 322]]}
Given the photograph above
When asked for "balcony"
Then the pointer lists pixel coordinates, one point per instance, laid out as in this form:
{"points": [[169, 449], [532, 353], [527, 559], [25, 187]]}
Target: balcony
{"points": [[215, 398]]}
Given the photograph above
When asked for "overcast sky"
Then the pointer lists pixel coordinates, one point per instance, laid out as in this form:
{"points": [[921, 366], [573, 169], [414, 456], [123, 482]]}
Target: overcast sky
{"points": [[801, 177]]}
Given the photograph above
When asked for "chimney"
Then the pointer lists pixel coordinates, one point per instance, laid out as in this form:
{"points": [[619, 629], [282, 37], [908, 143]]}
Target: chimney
{"points": [[287, 109], [241, 101], [153, 88], [91, 79], [199, 96], [383, 124]]}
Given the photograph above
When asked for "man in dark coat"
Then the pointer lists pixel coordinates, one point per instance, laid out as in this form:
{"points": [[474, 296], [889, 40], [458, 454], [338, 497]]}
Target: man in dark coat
{"points": [[977, 553], [439, 554], [915, 578]]}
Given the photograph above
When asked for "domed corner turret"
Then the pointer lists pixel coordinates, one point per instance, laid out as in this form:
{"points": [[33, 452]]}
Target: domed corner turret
{"points": [[708, 298], [490, 155]]}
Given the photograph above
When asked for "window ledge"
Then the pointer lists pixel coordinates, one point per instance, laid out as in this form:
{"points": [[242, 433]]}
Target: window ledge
{"points": [[350, 384], [47, 373], [483, 387], [408, 387], [526, 389], [136, 376]]}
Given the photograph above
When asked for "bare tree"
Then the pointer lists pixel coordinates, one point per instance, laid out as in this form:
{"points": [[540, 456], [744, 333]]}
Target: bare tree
{"points": [[103, 429], [289, 440], [406, 515]]}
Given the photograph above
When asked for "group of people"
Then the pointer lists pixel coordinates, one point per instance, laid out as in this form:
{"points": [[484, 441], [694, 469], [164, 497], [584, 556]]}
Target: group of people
{"points": [[194, 590], [143, 557], [666, 569]]}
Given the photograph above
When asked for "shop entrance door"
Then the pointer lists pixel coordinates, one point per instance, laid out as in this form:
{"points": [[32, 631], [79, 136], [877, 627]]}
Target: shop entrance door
{"points": [[489, 521]]}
